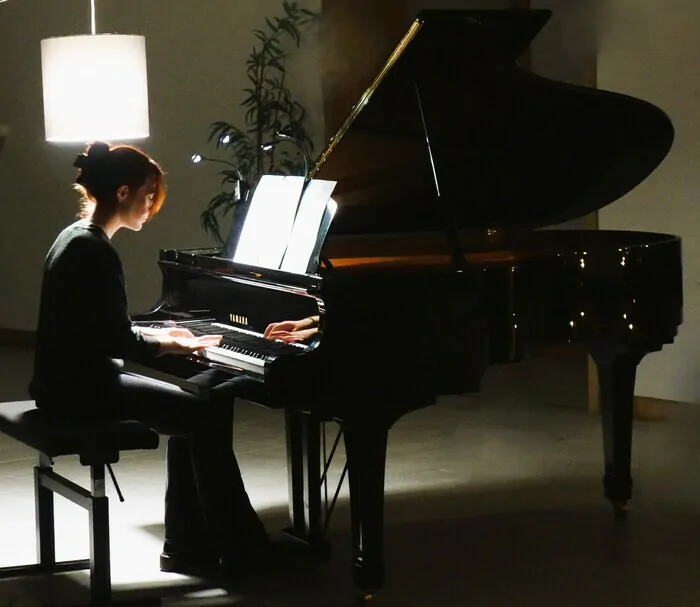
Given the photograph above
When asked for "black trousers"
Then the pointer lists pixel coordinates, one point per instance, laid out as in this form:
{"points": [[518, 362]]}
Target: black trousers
{"points": [[207, 508]]}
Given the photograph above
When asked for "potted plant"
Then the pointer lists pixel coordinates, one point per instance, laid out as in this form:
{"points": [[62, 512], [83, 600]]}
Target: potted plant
{"points": [[272, 116]]}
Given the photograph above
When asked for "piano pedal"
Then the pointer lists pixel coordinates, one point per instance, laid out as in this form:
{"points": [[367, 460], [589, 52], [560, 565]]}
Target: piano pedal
{"points": [[116, 484], [318, 550]]}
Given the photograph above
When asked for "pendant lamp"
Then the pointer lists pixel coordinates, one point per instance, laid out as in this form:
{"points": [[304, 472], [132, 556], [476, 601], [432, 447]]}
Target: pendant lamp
{"points": [[95, 87]]}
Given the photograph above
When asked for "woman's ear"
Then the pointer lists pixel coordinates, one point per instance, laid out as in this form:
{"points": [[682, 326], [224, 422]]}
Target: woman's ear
{"points": [[122, 193]]}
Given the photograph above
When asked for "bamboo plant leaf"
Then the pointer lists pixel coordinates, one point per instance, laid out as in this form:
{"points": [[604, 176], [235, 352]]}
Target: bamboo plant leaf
{"points": [[270, 108]]}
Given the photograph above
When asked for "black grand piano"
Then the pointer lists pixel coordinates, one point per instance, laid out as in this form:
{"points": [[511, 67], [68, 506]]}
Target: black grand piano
{"points": [[436, 264]]}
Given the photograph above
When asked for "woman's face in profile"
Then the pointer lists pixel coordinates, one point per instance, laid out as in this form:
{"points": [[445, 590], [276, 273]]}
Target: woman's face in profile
{"points": [[135, 206]]}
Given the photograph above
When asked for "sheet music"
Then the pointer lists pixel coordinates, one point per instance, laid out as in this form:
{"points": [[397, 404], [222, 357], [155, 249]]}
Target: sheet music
{"points": [[307, 227], [269, 221], [271, 236]]}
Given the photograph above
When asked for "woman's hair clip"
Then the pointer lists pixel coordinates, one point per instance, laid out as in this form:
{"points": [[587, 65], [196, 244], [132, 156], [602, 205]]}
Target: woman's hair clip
{"points": [[81, 161]]}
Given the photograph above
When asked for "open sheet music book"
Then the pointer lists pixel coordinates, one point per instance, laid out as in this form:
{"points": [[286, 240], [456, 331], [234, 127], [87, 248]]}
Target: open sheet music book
{"points": [[283, 229]]}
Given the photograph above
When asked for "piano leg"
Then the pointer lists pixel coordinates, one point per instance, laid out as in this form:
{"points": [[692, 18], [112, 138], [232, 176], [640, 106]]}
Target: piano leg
{"points": [[617, 369], [365, 449], [304, 478]]}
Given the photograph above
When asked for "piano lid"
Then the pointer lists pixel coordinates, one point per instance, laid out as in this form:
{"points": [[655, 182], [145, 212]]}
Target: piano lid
{"points": [[453, 134]]}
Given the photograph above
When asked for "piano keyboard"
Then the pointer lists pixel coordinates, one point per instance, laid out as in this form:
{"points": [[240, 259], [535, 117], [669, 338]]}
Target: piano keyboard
{"points": [[239, 348]]}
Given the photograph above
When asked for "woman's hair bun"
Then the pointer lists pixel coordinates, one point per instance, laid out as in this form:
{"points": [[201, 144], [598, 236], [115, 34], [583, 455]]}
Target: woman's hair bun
{"points": [[98, 149], [96, 152]]}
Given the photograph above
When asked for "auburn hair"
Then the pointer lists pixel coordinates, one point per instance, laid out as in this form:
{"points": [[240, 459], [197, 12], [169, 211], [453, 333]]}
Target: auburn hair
{"points": [[104, 169]]}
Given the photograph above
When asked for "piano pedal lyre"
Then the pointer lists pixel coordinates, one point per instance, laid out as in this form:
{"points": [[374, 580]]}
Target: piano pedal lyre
{"points": [[362, 596], [327, 461]]}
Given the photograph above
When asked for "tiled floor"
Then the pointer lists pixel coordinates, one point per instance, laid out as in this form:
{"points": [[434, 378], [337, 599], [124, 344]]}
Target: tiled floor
{"points": [[492, 501]]}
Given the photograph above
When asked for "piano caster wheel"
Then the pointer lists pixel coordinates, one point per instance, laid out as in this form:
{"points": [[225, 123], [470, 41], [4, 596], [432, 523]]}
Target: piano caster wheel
{"points": [[620, 509]]}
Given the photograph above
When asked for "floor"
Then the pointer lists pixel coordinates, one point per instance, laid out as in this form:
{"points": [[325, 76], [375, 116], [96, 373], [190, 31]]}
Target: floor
{"points": [[492, 501]]}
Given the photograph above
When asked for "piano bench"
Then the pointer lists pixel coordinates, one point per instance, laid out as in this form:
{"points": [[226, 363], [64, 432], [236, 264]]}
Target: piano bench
{"points": [[98, 445]]}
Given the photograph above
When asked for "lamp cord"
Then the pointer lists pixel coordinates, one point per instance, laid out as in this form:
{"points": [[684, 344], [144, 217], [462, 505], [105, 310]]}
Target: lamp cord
{"points": [[92, 17]]}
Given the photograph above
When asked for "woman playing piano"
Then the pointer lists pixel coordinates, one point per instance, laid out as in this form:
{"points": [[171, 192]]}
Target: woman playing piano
{"points": [[84, 332]]}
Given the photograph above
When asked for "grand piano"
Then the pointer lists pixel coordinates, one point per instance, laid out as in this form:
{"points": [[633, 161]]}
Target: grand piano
{"points": [[438, 263]]}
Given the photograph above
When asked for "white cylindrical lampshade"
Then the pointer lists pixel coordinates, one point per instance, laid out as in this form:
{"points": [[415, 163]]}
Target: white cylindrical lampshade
{"points": [[95, 87]]}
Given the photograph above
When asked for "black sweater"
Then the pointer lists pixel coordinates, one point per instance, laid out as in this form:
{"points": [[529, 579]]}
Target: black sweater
{"points": [[84, 327]]}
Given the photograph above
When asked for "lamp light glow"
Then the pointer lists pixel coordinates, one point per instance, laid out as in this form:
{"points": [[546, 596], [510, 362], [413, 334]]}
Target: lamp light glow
{"points": [[95, 87]]}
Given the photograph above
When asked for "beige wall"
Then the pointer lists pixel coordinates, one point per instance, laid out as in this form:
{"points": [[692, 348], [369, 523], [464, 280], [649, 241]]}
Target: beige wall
{"points": [[196, 55], [651, 50]]}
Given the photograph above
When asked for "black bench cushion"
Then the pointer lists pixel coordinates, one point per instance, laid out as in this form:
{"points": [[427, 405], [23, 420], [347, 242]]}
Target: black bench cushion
{"points": [[55, 436]]}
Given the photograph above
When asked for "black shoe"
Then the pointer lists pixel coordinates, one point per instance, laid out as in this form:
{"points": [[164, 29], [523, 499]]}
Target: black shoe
{"points": [[189, 563]]}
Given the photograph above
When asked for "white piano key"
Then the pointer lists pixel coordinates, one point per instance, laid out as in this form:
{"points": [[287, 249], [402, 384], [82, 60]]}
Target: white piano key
{"points": [[235, 360]]}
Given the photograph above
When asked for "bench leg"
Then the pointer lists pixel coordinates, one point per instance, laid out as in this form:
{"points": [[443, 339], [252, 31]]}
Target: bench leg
{"points": [[44, 516], [44, 487], [46, 483], [100, 576]]}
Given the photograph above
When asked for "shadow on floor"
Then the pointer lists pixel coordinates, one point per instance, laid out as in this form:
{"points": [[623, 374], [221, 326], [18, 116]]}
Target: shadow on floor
{"points": [[497, 548], [534, 544]]}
